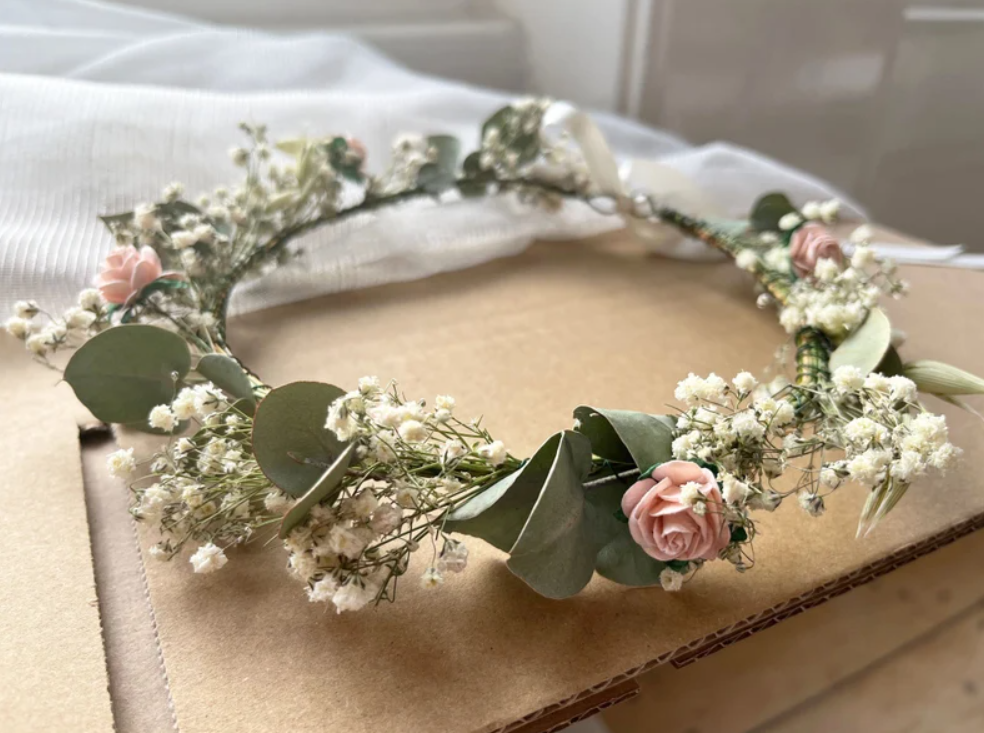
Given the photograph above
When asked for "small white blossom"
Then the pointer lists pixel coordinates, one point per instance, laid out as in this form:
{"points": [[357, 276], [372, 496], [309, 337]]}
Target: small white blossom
{"points": [[690, 493], [26, 309], [733, 490], [868, 467], [848, 379], [829, 210], [454, 557], [183, 239], [323, 590], [790, 221], [747, 260], [90, 299], [184, 404], [671, 580], [161, 418], [811, 210], [413, 431], [452, 451], [445, 402], [276, 502], [495, 452], [826, 269], [829, 478], [744, 382], [862, 235], [354, 596], [369, 385], [18, 327], [431, 578], [811, 503], [121, 463], [862, 258], [37, 344], [746, 425], [239, 156], [208, 558], [386, 518], [145, 218], [347, 542]]}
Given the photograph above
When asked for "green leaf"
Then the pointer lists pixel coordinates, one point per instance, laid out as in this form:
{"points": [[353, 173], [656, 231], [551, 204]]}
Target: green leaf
{"points": [[891, 364], [325, 489], [125, 371], [226, 374], [440, 175], [526, 145], [540, 515], [624, 436], [621, 559], [768, 210], [938, 378], [472, 167], [498, 514], [290, 440], [555, 553], [865, 347]]}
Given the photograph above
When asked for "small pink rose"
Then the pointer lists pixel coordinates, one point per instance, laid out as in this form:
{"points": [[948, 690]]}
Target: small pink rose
{"points": [[667, 528], [809, 244], [357, 149], [127, 271]]}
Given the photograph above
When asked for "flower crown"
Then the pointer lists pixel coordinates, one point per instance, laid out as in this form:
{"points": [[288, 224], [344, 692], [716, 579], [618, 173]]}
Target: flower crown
{"points": [[356, 481]]}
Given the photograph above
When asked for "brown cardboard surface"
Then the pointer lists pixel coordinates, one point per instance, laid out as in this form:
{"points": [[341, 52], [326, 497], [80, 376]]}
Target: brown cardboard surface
{"points": [[52, 667], [524, 341]]}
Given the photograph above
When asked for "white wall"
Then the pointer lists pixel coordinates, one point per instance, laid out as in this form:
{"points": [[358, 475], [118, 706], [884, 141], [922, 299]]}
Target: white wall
{"points": [[576, 48]]}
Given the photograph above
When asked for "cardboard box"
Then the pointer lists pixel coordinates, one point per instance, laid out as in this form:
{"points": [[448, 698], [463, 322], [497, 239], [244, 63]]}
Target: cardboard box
{"points": [[523, 341]]}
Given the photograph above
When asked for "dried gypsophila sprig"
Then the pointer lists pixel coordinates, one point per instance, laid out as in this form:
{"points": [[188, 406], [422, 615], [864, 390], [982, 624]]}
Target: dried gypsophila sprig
{"points": [[414, 465]]}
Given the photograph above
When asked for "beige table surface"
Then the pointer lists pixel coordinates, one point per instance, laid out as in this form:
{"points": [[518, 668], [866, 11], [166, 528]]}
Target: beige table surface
{"points": [[522, 341]]}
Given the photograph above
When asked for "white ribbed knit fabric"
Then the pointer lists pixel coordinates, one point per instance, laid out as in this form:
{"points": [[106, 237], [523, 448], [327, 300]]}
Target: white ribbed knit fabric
{"points": [[101, 107]]}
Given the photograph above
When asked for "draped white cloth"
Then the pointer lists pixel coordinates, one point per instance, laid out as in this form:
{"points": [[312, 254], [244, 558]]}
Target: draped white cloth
{"points": [[101, 106]]}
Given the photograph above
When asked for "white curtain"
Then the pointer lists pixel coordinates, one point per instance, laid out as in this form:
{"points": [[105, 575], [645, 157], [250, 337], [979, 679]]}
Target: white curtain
{"points": [[101, 106]]}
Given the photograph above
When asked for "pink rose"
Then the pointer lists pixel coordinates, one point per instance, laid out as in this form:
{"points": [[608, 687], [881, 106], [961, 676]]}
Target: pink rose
{"points": [[127, 271], [357, 149], [664, 525], [810, 243]]}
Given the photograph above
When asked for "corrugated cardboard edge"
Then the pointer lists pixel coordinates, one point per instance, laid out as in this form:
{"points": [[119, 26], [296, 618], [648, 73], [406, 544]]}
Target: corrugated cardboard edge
{"points": [[583, 708], [547, 719]]}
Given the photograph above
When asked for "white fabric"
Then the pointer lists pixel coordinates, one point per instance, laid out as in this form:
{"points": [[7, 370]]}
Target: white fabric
{"points": [[101, 106]]}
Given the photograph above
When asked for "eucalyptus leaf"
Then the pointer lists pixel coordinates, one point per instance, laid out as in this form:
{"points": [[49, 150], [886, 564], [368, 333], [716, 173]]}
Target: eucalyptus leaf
{"points": [[624, 436], [125, 371], [556, 550], [499, 513], [866, 347], [226, 374], [768, 210], [938, 378], [440, 174], [620, 559], [891, 364], [290, 440], [325, 489]]}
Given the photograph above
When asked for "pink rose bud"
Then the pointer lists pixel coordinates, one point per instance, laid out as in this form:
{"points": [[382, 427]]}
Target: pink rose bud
{"points": [[809, 244], [127, 271], [665, 525]]}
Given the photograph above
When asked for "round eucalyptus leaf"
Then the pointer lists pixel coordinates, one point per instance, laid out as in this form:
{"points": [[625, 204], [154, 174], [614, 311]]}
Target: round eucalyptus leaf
{"points": [[326, 488], [226, 374], [125, 371], [867, 346], [768, 210], [290, 440]]}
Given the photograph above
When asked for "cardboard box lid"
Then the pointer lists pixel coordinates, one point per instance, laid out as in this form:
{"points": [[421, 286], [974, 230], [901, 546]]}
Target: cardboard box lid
{"points": [[524, 341]]}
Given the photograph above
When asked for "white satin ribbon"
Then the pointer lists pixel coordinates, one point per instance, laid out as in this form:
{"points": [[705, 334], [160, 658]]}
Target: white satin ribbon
{"points": [[665, 184], [943, 256]]}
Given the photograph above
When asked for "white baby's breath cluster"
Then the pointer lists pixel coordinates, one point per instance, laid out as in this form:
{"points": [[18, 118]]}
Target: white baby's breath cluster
{"points": [[742, 429], [414, 464], [206, 488], [43, 334], [868, 429], [837, 298], [887, 437]]}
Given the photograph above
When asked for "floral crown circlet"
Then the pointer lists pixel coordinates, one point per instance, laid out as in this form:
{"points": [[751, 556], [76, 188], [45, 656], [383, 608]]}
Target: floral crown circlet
{"points": [[357, 481]]}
